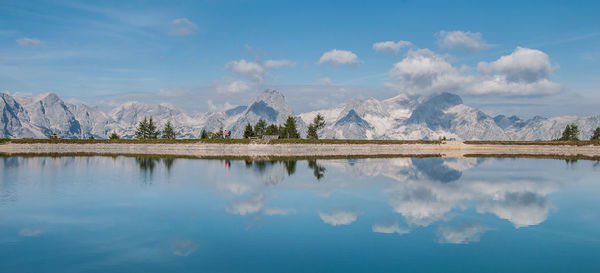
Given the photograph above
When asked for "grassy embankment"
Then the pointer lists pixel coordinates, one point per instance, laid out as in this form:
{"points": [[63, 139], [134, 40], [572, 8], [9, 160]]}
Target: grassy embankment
{"points": [[214, 141]]}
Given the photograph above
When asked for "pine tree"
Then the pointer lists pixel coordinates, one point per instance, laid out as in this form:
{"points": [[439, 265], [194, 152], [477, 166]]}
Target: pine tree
{"points": [[313, 129], [142, 128], [312, 132], [596, 135], [114, 136], [574, 132], [290, 128], [248, 132], [566, 135], [259, 128], [203, 134], [272, 130], [168, 132], [152, 130]]}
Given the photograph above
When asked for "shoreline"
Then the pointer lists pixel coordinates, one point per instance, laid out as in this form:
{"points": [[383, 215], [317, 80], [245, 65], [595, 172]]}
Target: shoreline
{"points": [[217, 150]]}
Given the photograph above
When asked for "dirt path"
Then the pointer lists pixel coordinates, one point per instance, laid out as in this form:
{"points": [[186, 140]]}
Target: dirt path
{"points": [[446, 149]]}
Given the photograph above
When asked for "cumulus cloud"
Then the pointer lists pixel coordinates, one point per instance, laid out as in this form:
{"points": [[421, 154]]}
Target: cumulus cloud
{"points": [[247, 206], [424, 71], [278, 63], [522, 73], [468, 41], [28, 41], [390, 47], [338, 217], [338, 57], [523, 65], [389, 228], [233, 86], [463, 234], [182, 27], [247, 69], [522, 209]]}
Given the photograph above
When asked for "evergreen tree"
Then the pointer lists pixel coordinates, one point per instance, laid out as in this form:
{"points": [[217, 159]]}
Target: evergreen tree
{"points": [[152, 130], [168, 132], [571, 133], [248, 132], [272, 130], [566, 135], [142, 128], [596, 135], [260, 128], [203, 134], [574, 132], [312, 132], [114, 136], [290, 128], [313, 129]]}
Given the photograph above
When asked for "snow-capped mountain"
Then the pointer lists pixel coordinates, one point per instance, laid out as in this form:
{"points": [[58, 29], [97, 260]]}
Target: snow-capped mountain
{"points": [[270, 106], [400, 117]]}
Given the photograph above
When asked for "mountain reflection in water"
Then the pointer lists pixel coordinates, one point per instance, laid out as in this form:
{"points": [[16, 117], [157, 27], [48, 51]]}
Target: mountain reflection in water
{"points": [[188, 205]]}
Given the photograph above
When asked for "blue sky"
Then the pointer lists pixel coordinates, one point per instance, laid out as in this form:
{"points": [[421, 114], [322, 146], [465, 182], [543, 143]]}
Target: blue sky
{"points": [[513, 57]]}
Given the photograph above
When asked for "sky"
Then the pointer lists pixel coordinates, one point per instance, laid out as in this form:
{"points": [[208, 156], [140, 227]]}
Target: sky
{"points": [[522, 58]]}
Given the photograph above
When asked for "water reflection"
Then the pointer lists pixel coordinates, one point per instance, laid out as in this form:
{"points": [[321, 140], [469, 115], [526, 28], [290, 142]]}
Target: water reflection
{"points": [[419, 192]]}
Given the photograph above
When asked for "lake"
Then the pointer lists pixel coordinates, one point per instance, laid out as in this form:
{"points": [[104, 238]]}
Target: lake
{"points": [[144, 214]]}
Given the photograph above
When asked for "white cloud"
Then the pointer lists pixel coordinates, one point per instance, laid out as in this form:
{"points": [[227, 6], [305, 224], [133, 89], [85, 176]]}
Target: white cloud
{"points": [[339, 57], [278, 63], [338, 217], [182, 27], [247, 69], [469, 41], [233, 86], [522, 73], [390, 47], [325, 81], [389, 228], [464, 234], [279, 211], [424, 71], [28, 42], [248, 206], [523, 65], [521, 209]]}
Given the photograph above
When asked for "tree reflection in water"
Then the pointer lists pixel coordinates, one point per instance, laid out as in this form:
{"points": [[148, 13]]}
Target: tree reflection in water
{"points": [[318, 170], [147, 165]]}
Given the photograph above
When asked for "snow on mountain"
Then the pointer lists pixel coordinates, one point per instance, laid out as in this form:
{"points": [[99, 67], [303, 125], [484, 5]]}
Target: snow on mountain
{"points": [[49, 114], [14, 120], [270, 105], [400, 117]]}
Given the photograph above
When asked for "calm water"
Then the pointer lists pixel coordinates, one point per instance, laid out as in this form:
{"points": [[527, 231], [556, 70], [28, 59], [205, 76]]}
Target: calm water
{"points": [[124, 214]]}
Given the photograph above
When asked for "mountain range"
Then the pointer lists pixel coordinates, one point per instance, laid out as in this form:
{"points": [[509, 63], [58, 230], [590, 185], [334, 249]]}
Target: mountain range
{"points": [[401, 117]]}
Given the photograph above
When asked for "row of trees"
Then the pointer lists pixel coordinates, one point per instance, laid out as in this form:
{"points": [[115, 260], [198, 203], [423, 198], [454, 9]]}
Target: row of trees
{"points": [[287, 130], [571, 133], [146, 129]]}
